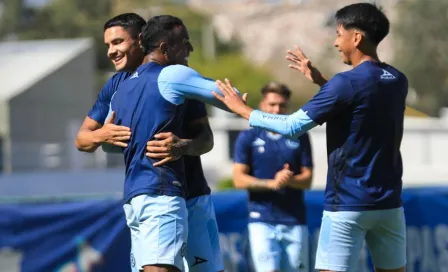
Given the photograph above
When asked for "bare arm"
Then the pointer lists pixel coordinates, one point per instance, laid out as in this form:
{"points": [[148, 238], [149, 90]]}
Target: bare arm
{"points": [[242, 179], [92, 134], [168, 147], [202, 138], [303, 180], [198, 137], [88, 138]]}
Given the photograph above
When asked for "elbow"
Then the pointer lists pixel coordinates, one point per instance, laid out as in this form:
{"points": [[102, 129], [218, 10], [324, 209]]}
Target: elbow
{"points": [[308, 182], [207, 141], [83, 148], [209, 144]]}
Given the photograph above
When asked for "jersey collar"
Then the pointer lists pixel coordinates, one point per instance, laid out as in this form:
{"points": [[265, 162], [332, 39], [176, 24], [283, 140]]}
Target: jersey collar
{"points": [[146, 66]]}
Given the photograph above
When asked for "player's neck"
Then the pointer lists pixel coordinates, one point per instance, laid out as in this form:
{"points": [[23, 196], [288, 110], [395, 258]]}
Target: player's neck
{"points": [[154, 57], [359, 56]]}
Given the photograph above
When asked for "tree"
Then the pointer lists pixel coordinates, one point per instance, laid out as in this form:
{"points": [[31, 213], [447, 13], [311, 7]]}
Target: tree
{"points": [[422, 51], [10, 16], [85, 18]]}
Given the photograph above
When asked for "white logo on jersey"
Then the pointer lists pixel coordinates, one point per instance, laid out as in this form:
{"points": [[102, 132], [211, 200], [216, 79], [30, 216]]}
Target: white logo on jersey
{"points": [[292, 144], [254, 215], [387, 75], [135, 75], [258, 142], [261, 149]]}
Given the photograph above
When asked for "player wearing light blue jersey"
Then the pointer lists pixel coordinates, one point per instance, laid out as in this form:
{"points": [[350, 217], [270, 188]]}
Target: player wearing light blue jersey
{"points": [[363, 109]]}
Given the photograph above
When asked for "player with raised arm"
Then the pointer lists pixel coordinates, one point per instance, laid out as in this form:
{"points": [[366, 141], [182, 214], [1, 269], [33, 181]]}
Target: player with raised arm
{"points": [[363, 109], [153, 101], [121, 37], [278, 233]]}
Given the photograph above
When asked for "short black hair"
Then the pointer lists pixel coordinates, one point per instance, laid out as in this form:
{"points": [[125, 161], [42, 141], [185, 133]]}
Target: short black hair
{"points": [[365, 17], [132, 22], [278, 88], [157, 29]]}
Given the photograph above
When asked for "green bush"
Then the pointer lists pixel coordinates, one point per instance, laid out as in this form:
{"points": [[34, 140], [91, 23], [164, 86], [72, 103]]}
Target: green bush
{"points": [[243, 75], [225, 184]]}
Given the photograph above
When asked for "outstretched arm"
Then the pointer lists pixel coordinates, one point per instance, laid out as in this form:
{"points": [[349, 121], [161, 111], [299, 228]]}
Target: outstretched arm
{"points": [[293, 125], [179, 82], [333, 97]]}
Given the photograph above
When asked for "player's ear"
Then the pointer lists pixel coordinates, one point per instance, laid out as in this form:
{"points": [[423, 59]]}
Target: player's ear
{"points": [[163, 47], [140, 40], [358, 36]]}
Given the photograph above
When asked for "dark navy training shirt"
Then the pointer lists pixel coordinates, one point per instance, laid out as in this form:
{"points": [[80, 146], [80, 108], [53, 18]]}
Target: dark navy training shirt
{"points": [[364, 112], [266, 153], [196, 182]]}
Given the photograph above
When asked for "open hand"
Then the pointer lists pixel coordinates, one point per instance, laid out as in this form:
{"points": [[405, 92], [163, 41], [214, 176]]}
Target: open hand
{"points": [[232, 100], [113, 134], [166, 146], [302, 63]]}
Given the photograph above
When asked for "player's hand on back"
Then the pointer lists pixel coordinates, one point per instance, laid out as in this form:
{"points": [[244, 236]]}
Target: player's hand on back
{"points": [[302, 63], [166, 147], [281, 178], [114, 134]]}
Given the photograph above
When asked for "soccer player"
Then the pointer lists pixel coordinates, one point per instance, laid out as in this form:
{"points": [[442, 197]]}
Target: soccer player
{"points": [[150, 102], [278, 233], [121, 38], [363, 109]]}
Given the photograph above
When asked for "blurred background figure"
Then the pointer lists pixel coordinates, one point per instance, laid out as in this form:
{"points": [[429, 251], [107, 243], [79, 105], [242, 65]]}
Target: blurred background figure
{"points": [[278, 233]]}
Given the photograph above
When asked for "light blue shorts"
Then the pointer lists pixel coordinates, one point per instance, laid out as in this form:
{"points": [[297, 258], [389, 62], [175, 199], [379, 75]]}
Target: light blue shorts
{"points": [[159, 230], [203, 252], [342, 235], [279, 247]]}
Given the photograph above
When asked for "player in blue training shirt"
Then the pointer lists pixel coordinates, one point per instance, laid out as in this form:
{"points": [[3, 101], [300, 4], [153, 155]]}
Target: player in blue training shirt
{"points": [[121, 37], [278, 233], [153, 101], [364, 111]]}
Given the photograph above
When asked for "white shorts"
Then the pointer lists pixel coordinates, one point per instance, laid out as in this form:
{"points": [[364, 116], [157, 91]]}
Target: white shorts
{"points": [[159, 230], [203, 252], [279, 247], [342, 235]]}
